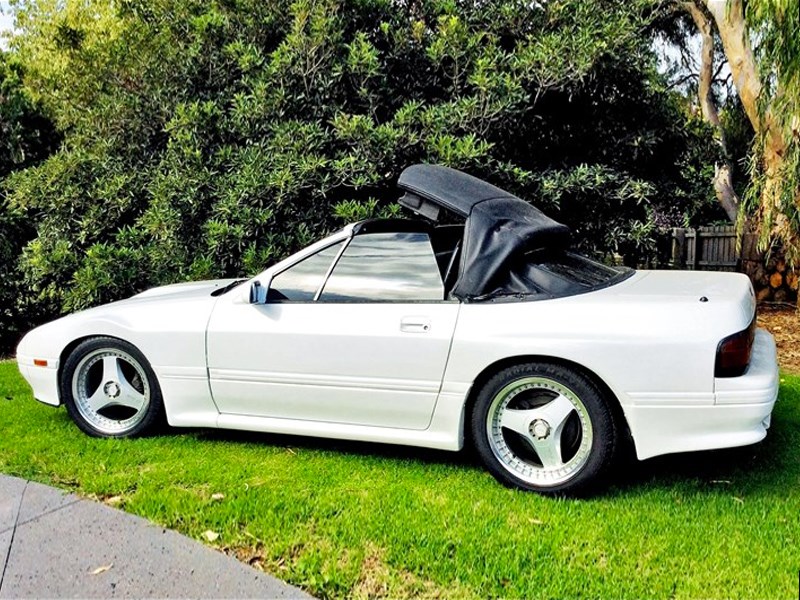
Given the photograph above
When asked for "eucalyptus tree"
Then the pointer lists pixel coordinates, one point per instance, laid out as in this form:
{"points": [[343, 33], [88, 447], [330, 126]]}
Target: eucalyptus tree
{"points": [[761, 42]]}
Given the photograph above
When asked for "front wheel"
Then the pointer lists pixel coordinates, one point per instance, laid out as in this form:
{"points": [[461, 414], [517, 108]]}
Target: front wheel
{"points": [[110, 389], [546, 428]]}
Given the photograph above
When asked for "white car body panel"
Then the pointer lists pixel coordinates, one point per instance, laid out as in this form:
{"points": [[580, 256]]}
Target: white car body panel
{"points": [[167, 325], [362, 364], [350, 371]]}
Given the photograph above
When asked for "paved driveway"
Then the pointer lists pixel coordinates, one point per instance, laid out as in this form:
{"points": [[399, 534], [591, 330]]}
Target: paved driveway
{"points": [[57, 545]]}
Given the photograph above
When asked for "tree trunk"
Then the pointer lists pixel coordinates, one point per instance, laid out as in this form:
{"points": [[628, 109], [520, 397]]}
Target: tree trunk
{"points": [[723, 173], [729, 18], [723, 188]]}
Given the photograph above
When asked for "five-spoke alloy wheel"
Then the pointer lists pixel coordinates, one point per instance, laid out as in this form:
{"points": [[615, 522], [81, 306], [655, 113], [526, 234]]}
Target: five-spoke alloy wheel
{"points": [[110, 389], [544, 427]]}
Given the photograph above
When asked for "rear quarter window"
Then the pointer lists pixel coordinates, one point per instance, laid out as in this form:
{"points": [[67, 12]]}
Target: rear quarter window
{"points": [[547, 274], [578, 269]]}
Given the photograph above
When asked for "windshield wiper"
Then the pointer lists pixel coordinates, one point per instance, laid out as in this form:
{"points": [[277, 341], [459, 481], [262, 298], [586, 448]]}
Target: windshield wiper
{"points": [[228, 288]]}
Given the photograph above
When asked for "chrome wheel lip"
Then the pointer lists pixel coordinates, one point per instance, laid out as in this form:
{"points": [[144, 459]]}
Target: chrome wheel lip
{"points": [[538, 476], [81, 393]]}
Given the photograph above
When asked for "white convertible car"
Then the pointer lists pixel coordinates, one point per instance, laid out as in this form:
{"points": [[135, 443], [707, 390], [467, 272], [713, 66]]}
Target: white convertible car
{"points": [[488, 332]]}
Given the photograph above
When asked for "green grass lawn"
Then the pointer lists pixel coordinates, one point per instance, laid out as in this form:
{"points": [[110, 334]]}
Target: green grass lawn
{"points": [[361, 520]]}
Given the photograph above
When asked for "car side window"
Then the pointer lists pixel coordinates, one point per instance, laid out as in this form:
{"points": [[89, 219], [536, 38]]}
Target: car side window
{"points": [[386, 267], [300, 282]]}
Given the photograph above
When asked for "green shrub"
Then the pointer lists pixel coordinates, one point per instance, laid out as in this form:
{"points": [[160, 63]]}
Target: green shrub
{"points": [[207, 139], [26, 137]]}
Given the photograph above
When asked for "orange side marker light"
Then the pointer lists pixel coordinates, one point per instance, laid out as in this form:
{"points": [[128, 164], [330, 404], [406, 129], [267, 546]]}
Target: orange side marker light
{"points": [[39, 362]]}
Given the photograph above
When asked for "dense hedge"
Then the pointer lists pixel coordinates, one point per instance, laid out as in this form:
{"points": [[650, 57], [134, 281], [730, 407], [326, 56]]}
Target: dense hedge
{"points": [[206, 139], [26, 138]]}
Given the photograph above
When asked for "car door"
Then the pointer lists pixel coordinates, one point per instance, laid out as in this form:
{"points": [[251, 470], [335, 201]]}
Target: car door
{"points": [[358, 333]]}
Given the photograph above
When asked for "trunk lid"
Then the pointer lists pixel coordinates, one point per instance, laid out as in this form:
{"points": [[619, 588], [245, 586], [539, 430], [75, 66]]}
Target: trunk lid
{"points": [[731, 291]]}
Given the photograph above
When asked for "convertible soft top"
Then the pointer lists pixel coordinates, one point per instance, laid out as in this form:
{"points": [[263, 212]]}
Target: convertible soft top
{"points": [[499, 226]]}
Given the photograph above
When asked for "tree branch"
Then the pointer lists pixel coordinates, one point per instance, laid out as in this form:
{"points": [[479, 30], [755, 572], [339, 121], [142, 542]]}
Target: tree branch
{"points": [[681, 80], [720, 66], [707, 107]]}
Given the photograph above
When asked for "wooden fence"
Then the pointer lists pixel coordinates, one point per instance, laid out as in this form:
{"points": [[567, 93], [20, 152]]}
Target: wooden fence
{"points": [[705, 249], [715, 249]]}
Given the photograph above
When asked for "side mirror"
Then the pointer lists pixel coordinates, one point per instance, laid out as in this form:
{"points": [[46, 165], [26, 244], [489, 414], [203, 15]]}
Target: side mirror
{"points": [[258, 293]]}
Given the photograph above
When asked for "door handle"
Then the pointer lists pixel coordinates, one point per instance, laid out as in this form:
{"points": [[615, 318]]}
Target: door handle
{"points": [[415, 324]]}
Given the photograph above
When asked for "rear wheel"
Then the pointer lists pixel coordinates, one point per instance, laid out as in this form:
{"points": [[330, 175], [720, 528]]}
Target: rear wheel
{"points": [[544, 427], [110, 389]]}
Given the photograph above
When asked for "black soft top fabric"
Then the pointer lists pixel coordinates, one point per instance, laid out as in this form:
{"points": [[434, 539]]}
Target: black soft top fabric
{"points": [[448, 188], [498, 228]]}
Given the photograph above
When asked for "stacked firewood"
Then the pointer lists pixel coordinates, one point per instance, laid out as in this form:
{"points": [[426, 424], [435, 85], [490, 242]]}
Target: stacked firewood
{"points": [[773, 279]]}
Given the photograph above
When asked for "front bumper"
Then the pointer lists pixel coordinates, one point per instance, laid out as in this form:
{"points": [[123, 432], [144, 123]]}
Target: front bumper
{"points": [[740, 414], [43, 380]]}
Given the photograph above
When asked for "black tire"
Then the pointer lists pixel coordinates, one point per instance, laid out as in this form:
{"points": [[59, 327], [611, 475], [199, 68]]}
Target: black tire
{"points": [[89, 367], [584, 439]]}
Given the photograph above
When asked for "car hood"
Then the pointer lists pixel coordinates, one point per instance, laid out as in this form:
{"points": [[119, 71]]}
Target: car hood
{"points": [[171, 310], [189, 289]]}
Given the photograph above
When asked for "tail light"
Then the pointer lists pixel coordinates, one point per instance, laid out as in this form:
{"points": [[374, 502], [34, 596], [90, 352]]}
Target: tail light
{"points": [[733, 352]]}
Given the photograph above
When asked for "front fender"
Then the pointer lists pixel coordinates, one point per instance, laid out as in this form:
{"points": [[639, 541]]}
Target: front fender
{"points": [[169, 331]]}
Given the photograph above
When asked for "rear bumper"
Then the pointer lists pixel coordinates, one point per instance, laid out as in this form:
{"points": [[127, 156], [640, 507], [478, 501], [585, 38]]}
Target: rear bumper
{"points": [[740, 415], [760, 382]]}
